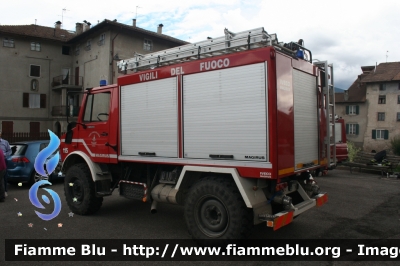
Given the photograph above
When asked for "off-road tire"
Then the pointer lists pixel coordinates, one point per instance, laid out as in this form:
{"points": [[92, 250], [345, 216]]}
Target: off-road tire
{"points": [[214, 209], [80, 192]]}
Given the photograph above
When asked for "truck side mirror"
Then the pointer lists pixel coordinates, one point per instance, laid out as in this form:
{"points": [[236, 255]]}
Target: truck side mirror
{"points": [[69, 135]]}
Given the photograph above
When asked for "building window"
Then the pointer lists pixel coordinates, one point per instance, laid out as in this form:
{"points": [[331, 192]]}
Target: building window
{"points": [[380, 134], [352, 129], [352, 110], [398, 116], [102, 39], [7, 42], [88, 45], [382, 99], [35, 46], [381, 116], [77, 49], [34, 100], [148, 45], [65, 50], [34, 71], [382, 86]]}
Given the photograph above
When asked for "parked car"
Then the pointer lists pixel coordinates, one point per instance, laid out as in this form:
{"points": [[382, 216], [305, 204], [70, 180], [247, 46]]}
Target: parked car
{"points": [[20, 165]]}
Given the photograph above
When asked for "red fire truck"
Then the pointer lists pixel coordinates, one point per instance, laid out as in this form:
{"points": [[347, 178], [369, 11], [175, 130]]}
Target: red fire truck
{"points": [[230, 128], [341, 142]]}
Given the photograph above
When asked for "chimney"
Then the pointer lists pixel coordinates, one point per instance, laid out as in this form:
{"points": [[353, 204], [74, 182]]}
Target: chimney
{"points": [[58, 25], [346, 95], [159, 29], [86, 26], [79, 28], [134, 22]]}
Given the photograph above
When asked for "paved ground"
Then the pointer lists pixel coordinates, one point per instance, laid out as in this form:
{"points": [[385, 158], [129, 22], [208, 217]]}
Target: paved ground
{"points": [[360, 206]]}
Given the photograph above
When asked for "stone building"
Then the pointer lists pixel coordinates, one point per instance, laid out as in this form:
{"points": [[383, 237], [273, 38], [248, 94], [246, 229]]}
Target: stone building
{"points": [[371, 107], [44, 70], [383, 96]]}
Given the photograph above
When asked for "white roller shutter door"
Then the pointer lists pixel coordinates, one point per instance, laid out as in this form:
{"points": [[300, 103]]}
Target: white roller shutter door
{"points": [[305, 118], [224, 113], [149, 118]]}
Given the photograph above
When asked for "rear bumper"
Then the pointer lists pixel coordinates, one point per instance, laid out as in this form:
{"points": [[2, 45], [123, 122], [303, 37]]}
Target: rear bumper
{"points": [[16, 175], [283, 218]]}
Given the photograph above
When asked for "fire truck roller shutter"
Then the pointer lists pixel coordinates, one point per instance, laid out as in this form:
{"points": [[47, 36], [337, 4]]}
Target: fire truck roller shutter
{"points": [[225, 114], [305, 118], [149, 118]]}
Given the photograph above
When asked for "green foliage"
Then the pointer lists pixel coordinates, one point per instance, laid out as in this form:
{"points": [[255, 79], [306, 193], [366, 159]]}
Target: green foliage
{"points": [[395, 143], [352, 150]]}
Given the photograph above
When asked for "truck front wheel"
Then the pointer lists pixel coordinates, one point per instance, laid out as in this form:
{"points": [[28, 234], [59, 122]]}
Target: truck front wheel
{"points": [[214, 209], [79, 190]]}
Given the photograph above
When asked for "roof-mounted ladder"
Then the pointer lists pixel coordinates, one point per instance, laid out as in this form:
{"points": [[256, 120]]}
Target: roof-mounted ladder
{"points": [[231, 42]]}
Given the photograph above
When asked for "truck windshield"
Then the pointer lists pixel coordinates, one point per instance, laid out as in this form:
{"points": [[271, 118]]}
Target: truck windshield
{"points": [[97, 107]]}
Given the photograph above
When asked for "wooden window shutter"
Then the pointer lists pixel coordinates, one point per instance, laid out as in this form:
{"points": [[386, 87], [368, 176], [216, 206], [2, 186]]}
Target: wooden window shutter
{"points": [[25, 99], [357, 110], [347, 109], [357, 129], [386, 134], [42, 100], [373, 134]]}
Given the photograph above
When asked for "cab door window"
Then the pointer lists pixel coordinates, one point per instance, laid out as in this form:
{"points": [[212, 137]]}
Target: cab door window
{"points": [[97, 107]]}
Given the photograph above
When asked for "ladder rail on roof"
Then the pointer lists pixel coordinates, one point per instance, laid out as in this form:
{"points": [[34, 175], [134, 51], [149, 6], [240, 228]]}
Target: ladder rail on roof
{"points": [[231, 42]]}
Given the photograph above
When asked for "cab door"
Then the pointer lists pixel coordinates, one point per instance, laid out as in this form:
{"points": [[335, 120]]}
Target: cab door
{"points": [[95, 135]]}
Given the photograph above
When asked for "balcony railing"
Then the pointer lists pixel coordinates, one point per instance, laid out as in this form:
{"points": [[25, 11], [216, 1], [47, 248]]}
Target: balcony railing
{"points": [[63, 110], [12, 137], [67, 80]]}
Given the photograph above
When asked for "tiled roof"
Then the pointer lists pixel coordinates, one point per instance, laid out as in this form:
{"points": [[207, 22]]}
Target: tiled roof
{"points": [[356, 92], [397, 77], [37, 31], [68, 36], [107, 22], [384, 72]]}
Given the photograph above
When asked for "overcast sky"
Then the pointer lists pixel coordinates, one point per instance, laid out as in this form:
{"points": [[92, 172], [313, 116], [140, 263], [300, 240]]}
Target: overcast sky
{"points": [[347, 33]]}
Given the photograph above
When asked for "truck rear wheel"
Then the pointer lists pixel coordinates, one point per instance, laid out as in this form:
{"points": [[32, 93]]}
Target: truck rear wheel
{"points": [[214, 209], [79, 190]]}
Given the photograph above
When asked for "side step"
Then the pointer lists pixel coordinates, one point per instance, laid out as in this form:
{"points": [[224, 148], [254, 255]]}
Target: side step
{"points": [[133, 190]]}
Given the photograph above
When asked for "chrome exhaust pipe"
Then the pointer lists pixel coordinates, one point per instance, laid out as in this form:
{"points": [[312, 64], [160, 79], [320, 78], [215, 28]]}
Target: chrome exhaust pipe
{"points": [[153, 208]]}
